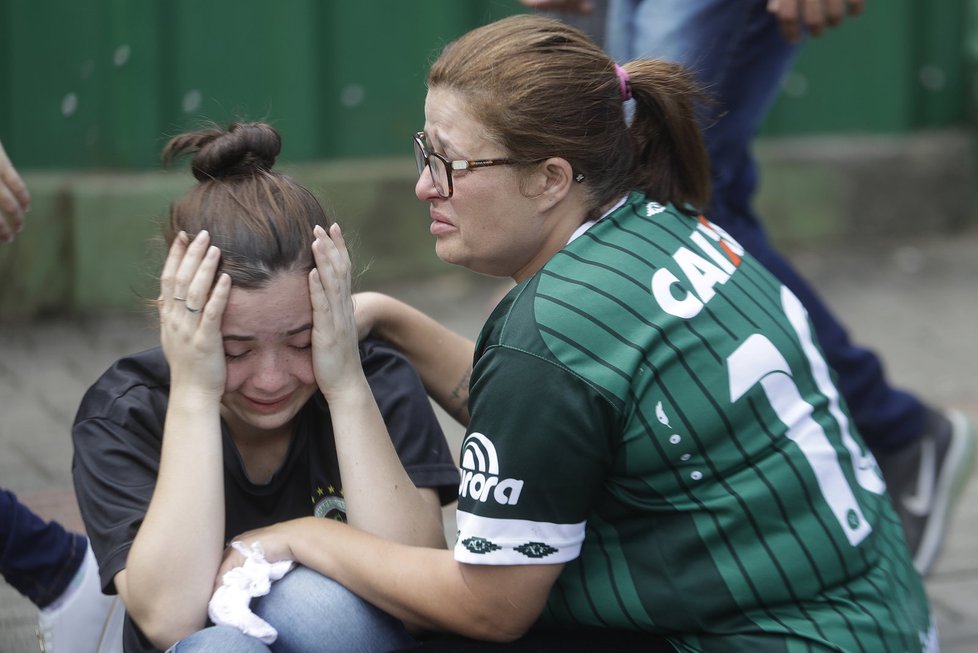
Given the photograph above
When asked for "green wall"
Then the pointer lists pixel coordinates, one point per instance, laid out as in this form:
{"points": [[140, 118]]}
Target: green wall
{"points": [[90, 91], [899, 67], [102, 83]]}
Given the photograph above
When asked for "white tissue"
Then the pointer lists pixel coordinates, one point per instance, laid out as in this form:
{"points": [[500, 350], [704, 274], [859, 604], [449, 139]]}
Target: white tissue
{"points": [[230, 604]]}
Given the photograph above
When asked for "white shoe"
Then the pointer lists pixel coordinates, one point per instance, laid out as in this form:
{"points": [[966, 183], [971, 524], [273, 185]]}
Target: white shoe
{"points": [[82, 619], [925, 479]]}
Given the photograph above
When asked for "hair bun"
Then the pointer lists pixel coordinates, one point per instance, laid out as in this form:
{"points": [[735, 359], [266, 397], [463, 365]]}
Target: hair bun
{"points": [[245, 148]]}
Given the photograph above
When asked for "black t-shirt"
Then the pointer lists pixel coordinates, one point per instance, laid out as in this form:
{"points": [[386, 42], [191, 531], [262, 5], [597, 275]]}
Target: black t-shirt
{"points": [[118, 434]]}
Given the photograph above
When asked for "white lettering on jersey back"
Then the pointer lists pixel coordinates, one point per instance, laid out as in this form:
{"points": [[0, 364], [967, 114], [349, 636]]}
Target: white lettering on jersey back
{"points": [[663, 281], [480, 473], [701, 276]]}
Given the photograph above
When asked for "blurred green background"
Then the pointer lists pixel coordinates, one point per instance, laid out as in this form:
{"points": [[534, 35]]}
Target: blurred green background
{"points": [[102, 83], [90, 91]]}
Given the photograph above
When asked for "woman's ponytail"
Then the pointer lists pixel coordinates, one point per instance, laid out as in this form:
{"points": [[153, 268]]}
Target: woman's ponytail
{"points": [[672, 162]]}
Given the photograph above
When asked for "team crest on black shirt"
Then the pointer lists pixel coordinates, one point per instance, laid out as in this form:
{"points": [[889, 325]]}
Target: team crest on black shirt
{"points": [[329, 504]]}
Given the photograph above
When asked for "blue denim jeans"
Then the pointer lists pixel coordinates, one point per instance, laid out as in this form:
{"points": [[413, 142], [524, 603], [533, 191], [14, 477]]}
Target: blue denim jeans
{"points": [[739, 56], [37, 558], [310, 613]]}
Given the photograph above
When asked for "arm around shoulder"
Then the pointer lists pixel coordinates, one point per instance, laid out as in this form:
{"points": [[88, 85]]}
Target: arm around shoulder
{"points": [[442, 357]]}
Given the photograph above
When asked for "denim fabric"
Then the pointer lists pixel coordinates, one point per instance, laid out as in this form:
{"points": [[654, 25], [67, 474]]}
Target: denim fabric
{"points": [[37, 558], [739, 57], [219, 639], [310, 613]]}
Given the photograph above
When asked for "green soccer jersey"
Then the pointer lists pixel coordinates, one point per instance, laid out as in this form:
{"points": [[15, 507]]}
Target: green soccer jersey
{"points": [[651, 410]]}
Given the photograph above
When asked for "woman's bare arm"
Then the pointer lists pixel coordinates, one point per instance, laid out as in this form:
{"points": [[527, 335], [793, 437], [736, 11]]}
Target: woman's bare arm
{"points": [[442, 357]]}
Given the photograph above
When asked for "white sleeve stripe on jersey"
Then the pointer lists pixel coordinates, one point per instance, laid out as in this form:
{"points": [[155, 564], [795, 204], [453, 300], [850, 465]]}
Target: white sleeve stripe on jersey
{"points": [[489, 541]]}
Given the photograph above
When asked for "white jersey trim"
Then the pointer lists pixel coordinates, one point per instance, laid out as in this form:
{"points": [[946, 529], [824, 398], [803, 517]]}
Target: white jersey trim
{"points": [[590, 223], [488, 541]]}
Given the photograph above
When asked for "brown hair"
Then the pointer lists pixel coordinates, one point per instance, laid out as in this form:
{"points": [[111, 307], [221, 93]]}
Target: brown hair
{"points": [[261, 220], [542, 88]]}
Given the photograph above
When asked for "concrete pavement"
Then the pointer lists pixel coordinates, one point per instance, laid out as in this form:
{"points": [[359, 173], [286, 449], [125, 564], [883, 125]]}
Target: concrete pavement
{"points": [[913, 299]]}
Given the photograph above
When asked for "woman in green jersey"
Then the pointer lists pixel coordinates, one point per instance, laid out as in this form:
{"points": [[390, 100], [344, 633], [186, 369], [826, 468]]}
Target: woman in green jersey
{"points": [[656, 456]]}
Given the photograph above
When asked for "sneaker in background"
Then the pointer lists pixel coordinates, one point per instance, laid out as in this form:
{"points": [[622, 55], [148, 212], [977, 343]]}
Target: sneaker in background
{"points": [[82, 619], [925, 479]]}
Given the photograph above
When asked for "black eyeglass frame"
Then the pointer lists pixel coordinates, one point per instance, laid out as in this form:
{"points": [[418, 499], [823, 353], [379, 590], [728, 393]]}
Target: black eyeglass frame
{"points": [[423, 158]]}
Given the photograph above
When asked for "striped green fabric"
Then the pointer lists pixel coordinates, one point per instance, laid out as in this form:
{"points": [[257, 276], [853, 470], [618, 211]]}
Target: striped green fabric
{"points": [[650, 409]]}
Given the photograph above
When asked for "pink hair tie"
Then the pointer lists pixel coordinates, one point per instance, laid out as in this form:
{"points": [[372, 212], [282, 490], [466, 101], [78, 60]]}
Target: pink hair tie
{"points": [[624, 84]]}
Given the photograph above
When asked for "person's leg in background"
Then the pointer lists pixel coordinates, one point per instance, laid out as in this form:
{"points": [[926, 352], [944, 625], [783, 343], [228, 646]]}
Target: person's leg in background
{"points": [[739, 56], [56, 570]]}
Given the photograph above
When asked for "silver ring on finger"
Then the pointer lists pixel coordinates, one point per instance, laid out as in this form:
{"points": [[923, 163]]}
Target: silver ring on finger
{"points": [[193, 310]]}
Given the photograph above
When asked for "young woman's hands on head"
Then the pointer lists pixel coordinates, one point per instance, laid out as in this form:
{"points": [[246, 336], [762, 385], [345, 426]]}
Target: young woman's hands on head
{"points": [[335, 354], [191, 308]]}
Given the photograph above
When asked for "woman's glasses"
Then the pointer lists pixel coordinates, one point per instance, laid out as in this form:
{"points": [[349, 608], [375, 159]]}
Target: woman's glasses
{"points": [[441, 168]]}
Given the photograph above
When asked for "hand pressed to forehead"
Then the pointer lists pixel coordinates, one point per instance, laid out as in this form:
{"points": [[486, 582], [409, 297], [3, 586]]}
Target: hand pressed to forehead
{"points": [[334, 341], [191, 307], [188, 274]]}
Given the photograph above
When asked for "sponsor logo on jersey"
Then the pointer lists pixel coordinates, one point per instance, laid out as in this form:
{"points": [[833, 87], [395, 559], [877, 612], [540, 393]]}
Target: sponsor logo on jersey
{"points": [[684, 291], [329, 503], [480, 473], [653, 208]]}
